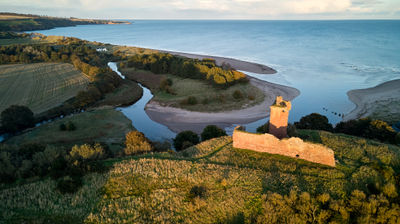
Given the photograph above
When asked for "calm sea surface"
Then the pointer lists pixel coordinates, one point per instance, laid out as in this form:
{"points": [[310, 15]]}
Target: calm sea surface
{"points": [[323, 59]]}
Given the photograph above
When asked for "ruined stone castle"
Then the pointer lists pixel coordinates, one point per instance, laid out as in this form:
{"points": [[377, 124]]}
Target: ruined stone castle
{"points": [[276, 141]]}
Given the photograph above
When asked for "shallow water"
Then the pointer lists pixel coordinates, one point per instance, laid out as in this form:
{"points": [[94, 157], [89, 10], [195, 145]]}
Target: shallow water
{"points": [[323, 59]]}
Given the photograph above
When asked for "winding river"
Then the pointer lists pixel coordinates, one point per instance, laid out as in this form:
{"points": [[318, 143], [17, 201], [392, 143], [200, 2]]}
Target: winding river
{"points": [[137, 114]]}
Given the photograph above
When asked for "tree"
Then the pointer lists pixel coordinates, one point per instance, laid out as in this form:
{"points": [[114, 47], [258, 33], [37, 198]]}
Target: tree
{"points": [[185, 139], [212, 131], [17, 118], [314, 121], [136, 142]]}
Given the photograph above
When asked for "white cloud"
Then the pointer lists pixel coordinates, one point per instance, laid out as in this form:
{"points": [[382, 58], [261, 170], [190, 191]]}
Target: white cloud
{"points": [[246, 9], [317, 6]]}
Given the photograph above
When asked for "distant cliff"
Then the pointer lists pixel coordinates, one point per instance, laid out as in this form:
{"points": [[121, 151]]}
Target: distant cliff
{"points": [[25, 22]]}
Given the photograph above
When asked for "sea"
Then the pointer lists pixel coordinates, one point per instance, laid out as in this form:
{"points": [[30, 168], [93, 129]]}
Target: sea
{"points": [[322, 59]]}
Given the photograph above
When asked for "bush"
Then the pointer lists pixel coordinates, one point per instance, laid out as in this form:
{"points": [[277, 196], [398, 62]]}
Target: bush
{"points": [[238, 95], [314, 121], [69, 184], [192, 100], [161, 146], [70, 126], [87, 152], [62, 127], [251, 97], [212, 131], [199, 191], [17, 118], [189, 137], [205, 101], [136, 142], [367, 128], [263, 128]]}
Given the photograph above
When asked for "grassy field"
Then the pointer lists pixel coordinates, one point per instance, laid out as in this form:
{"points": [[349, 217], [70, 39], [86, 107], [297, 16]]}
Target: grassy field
{"points": [[40, 86], [101, 125], [237, 186], [388, 111], [209, 98]]}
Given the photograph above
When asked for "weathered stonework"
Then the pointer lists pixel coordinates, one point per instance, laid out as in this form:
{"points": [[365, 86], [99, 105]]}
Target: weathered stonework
{"points": [[292, 147], [279, 116]]}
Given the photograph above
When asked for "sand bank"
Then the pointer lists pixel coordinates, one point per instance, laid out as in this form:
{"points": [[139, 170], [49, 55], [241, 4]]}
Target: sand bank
{"points": [[179, 120], [382, 100], [234, 63]]}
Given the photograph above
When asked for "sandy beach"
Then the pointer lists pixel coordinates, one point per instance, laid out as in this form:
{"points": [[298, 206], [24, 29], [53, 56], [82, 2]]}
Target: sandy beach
{"points": [[234, 63], [381, 100], [179, 120]]}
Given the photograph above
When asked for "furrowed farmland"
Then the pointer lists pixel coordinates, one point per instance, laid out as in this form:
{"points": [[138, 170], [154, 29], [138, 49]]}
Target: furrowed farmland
{"points": [[40, 86]]}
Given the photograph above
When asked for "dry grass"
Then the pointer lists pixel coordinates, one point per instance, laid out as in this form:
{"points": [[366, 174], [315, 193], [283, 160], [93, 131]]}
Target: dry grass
{"points": [[156, 191], [155, 188], [40, 86], [42, 201]]}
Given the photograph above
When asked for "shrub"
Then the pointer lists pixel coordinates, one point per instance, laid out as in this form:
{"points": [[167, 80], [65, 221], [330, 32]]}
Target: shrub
{"points": [[314, 121], [69, 184], [199, 191], [292, 130], [212, 131], [70, 126], [205, 101], [189, 137], [192, 100], [251, 97], [87, 152], [161, 146], [62, 127], [17, 118], [136, 142], [263, 128], [367, 128], [238, 95]]}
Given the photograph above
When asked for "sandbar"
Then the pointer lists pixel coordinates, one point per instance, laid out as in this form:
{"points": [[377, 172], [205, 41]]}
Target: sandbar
{"points": [[383, 98], [178, 120]]}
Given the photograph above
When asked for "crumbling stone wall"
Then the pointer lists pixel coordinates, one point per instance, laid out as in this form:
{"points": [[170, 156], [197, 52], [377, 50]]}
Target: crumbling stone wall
{"points": [[279, 116], [292, 147]]}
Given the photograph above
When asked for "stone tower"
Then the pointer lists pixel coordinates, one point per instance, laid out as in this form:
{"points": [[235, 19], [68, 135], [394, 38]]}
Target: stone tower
{"points": [[278, 121]]}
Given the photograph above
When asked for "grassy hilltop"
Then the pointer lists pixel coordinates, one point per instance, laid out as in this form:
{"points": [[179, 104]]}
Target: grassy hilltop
{"points": [[24, 22], [215, 183]]}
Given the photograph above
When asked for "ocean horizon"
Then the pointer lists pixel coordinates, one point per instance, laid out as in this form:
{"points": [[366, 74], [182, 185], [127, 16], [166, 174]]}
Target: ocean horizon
{"points": [[324, 59]]}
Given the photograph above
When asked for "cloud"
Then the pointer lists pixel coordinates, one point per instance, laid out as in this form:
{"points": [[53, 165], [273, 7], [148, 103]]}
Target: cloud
{"points": [[198, 9], [317, 6]]}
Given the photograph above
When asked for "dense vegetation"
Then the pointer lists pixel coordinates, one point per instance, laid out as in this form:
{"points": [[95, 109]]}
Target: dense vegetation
{"points": [[22, 22], [213, 182], [16, 118], [206, 69], [82, 56]]}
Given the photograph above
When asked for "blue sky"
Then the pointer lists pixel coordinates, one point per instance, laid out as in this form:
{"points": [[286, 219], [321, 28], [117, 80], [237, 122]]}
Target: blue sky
{"points": [[209, 9]]}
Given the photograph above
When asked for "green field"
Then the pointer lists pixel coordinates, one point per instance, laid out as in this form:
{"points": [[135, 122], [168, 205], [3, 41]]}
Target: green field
{"points": [[101, 125], [40, 86], [209, 98], [239, 186]]}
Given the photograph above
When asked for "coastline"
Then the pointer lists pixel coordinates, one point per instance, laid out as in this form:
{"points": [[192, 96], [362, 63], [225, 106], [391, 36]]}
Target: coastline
{"points": [[372, 100], [234, 63], [178, 120]]}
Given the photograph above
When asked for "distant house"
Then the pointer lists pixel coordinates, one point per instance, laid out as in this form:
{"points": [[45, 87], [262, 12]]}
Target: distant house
{"points": [[101, 49]]}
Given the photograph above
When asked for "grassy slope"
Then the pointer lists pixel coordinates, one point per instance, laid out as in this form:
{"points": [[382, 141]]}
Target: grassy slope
{"points": [[40, 86], [155, 188], [101, 125], [126, 94], [218, 99]]}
